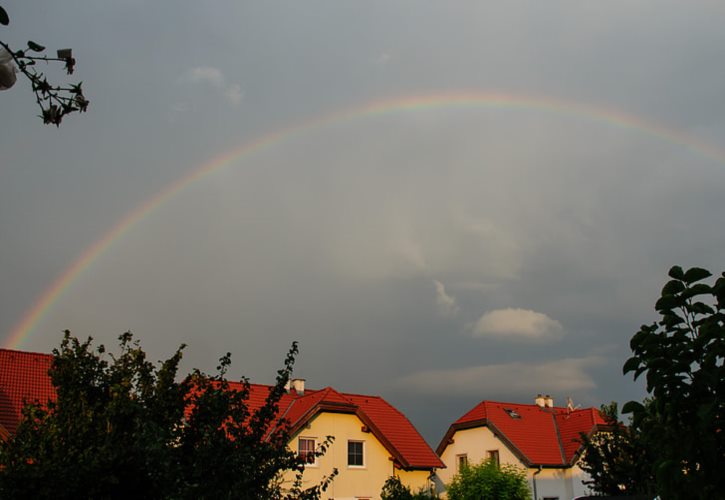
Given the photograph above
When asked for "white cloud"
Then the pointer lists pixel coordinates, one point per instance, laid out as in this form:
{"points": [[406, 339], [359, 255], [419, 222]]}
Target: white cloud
{"points": [[446, 303], [518, 379], [205, 74], [234, 93], [213, 77], [517, 324]]}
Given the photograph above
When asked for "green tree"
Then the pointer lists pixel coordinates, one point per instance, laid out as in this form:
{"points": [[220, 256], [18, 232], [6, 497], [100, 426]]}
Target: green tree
{"points": [[124, 428], [489, 481], [615, 458], [394, 489], [683, 359], [55, 101]]}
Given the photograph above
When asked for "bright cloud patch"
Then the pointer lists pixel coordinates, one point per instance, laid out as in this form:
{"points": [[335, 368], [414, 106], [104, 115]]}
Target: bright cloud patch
{"points": [[519, 379], [446, 303], [207, 75], [517, 324]]}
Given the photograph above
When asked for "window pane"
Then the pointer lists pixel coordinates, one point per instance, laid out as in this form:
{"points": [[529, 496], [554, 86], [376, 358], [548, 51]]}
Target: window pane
{"points": [[306, 449], [355, 453]]}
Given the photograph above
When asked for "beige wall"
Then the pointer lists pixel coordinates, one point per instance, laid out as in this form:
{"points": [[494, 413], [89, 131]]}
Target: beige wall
{"points": [[564, 483], [351, 482]]}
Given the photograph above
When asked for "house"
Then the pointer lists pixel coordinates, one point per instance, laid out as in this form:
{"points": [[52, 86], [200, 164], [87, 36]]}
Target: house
{"points": [[541, 438], [373, 440]]}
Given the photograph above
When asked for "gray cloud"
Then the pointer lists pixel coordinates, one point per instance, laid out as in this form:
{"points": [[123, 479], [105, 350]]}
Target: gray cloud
{"points": [[517, 379], [338, 234]]}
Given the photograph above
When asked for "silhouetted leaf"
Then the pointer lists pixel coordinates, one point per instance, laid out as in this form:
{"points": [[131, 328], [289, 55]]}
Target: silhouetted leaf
{"points": [[35, 47], [673, 287], [632, 407], [630, 365], [666, 302], [677, 273], [696, 274]]}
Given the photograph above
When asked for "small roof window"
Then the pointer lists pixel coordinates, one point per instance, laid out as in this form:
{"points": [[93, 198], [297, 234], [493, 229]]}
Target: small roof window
{"points": [[512, 413]]}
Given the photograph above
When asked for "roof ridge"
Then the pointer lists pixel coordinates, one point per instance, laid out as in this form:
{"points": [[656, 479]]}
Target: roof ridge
{"points": [[362, 395], [34, 353]]}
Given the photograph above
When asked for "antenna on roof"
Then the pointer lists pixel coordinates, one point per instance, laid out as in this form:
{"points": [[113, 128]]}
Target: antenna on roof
{"points": [[570, 405]]}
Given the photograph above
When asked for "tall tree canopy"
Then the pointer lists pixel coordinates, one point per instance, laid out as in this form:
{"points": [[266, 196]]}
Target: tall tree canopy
{"points": [[123, 428], [683, 359], [675, 444]]}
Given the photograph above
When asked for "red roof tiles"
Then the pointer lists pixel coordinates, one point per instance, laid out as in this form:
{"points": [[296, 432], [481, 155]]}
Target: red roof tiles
{"points": [[538, 436], [389, 426], [23, 378]]}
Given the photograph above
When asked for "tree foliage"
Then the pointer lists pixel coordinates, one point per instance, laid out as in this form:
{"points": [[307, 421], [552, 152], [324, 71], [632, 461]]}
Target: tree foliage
{"points": [[674, 444], [489, 481], [55, 101], [615, 458], [124, 428], [683, 359], [394, 489]]}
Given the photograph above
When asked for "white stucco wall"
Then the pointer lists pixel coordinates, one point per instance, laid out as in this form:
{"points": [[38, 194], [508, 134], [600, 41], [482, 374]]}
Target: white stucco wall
{"points": [[352, 482], [564, 484]]}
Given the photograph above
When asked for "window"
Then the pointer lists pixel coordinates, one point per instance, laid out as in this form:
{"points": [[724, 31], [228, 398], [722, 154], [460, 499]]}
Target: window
{"points": [[461, 461], [355, 455], [492, 455], [512, 413], [306, 449]]}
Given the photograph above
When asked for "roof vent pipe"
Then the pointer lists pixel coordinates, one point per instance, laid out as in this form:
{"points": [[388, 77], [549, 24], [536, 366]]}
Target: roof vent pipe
{"points": [[540, 401]]}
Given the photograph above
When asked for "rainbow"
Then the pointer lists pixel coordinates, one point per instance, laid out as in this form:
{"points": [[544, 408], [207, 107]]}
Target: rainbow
{"points": [[419, 102]]}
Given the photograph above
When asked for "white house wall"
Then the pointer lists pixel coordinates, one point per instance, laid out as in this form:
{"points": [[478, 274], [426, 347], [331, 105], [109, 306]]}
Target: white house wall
{"points": [[561, 484]]}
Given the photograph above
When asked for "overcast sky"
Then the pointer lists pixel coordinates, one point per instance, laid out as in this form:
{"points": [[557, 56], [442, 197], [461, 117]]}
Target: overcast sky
{"points": [[434, 255]]}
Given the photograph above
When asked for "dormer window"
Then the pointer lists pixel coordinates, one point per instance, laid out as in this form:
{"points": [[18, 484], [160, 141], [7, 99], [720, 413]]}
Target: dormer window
{"points": [[512, 413]]}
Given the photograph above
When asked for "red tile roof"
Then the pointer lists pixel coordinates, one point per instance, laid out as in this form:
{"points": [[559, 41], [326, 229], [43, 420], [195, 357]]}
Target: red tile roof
{"points": [[23, 378], [390, 426], [537, 436]]}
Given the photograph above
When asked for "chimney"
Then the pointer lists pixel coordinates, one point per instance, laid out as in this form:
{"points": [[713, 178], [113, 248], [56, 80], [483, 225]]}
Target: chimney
{"points": [[540, 401], [549, 401], [298, 384]]}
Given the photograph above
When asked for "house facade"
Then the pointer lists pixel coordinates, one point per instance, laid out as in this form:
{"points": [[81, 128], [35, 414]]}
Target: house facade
{"points": [[372, 441], [540, 438]]}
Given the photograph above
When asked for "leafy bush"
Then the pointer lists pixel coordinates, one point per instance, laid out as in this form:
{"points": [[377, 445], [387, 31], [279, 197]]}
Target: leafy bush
{"points": [[393, 489], [489, 481]]}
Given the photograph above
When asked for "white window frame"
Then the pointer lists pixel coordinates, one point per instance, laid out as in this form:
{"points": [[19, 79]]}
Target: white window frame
{"points": [[364, 463]]}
